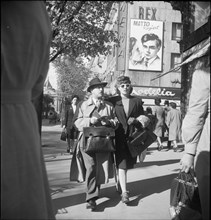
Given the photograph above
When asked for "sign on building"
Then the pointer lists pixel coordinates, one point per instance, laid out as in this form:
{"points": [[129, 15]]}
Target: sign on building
{"points": [[146, 45]]}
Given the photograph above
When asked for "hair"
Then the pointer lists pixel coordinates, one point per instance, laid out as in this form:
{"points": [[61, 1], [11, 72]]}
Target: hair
{"points": [[74, 96], [166, 102], [149, 110], [173, 105], [157, 101], [122, 80], [147, 37]]}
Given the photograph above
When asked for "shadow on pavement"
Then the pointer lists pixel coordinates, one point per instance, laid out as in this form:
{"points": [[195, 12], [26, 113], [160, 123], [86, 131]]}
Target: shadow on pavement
{"points": [[156, 163], [138, 190]]}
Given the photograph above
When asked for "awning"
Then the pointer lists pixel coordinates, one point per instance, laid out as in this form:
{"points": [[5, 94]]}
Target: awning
{"points": [[195, 52]]}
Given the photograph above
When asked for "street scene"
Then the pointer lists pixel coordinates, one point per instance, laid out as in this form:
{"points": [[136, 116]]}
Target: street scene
{"points": [[105, 110], [148, 183]]}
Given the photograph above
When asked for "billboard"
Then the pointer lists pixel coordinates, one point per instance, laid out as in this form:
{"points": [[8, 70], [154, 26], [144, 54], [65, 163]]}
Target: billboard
{"points": [[146, 45]]}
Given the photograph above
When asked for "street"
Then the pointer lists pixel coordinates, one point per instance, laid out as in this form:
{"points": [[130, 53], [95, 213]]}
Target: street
{"points": [[148, 183]]}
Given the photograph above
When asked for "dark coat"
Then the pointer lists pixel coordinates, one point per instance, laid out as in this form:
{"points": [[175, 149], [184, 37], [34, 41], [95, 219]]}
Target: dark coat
{"points": [[69, 124], [123, 157]]}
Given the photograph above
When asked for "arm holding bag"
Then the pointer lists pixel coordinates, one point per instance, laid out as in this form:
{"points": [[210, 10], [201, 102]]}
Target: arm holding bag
{"points": [[99, 139], [139, 141]]}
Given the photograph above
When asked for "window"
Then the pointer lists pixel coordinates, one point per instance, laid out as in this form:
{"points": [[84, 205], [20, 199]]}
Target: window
{"points": [[176, 31], [175, 60]]}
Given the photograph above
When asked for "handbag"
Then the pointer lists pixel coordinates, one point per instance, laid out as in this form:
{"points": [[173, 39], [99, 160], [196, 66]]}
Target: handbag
{"points": [[63, 136], [98, 139], [139, 141], [184, 198]]}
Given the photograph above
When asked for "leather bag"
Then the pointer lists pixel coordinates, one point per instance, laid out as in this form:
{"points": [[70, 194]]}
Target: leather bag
{"points": [[99, 139], [139, 141], [63, 136], [184, 197]]}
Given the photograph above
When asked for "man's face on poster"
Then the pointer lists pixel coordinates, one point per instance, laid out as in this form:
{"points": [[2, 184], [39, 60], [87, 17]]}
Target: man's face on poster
{"points": [[150, 49]]}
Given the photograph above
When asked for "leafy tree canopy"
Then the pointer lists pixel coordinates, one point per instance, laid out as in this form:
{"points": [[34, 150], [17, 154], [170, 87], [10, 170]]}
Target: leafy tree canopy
{"points": [[79, 28], [72, 78]]}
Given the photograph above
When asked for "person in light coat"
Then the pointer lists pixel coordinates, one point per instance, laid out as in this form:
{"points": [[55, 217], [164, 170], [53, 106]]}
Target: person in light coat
{"points": [[174, 123], [94, 168], [196, 132]]}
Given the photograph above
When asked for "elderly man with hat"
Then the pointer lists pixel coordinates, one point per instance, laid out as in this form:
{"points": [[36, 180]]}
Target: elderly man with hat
{"points": [[94, 168]]}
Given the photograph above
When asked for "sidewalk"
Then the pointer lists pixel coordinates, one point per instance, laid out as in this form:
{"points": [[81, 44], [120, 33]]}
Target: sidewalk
{"points": [[148, 183]]}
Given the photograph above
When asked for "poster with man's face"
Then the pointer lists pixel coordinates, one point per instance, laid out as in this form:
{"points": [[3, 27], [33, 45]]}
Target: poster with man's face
{"points": [[145, 45]]}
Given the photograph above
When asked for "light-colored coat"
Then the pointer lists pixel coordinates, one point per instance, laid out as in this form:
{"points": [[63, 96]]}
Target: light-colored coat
{"points": [[174, 122], [82, 119]]}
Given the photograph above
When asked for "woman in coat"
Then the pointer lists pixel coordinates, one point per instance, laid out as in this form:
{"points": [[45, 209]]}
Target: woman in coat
{"points": [[72, 132], [127, 109], [174, 123], [95, 168], [159, 113]]}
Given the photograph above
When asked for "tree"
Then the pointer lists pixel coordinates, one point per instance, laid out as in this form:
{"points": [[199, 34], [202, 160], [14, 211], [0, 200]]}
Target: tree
{"points": [[72, 78], [47, 101], [78, 28]]}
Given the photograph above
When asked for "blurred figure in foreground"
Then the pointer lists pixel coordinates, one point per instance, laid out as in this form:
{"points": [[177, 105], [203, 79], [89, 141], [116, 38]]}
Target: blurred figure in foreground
{"points": [[196, 132], [25, 47]]}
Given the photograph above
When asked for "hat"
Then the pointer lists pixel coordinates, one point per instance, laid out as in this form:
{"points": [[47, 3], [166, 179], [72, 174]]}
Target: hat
{"points": [[95, 82]]}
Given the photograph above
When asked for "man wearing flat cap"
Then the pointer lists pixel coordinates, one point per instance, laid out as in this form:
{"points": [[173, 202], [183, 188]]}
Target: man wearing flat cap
{"points": [[94, 168]]}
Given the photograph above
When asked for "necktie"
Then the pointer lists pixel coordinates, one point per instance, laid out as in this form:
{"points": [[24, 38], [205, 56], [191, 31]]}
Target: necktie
{"points": [[97, 104], [146, 62]]}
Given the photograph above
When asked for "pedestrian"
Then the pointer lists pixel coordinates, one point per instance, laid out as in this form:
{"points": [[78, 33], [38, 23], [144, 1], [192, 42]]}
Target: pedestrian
{"points": [[69, 127], [25, 48], [196, 132], [152, 118], [127, 109], [166, 129], [95, 168], [158, 112], [174, 123]]}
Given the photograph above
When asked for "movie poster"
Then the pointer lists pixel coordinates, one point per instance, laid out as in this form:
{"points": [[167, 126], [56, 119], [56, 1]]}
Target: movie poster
{"points": [[146, 45]]}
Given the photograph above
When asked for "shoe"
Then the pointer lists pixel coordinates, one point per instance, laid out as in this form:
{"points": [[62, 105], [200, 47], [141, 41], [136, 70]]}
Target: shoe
{"points": [[68, 150], [175, 149], [91, 204], [159, 148], [125, 197], [71, 151]]}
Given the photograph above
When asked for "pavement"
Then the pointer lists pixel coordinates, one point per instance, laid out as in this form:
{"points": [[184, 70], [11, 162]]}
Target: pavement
{"points": [[148, 183]]}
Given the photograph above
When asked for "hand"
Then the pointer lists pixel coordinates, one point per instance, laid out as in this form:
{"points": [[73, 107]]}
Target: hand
{"points": [[105, 121], [93, 120], [131, 120], [187, 162]]}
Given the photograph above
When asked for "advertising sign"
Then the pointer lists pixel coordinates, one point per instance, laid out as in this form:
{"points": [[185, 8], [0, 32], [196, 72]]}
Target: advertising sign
{"points": [[145, 46]]}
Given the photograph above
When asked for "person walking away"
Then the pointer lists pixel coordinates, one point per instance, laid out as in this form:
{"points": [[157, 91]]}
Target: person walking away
{"points": [[69, 127], [158, 112], [174, 122], [95, 168], [166, 129], [25, 48], [196, 132], [127, 109], [152, 118]]}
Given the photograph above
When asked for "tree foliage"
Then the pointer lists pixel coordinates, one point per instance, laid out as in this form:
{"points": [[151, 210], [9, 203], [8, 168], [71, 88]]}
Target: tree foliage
{"points": [[72, 78], [78, 28]]}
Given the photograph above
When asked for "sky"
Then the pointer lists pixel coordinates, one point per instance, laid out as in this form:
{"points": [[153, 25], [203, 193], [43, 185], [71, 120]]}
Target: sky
{"points": [[52, 76]]}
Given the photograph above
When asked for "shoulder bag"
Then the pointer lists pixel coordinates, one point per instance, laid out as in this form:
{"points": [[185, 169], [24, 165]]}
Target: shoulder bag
{"points": [[98, 139], [139, 141]]}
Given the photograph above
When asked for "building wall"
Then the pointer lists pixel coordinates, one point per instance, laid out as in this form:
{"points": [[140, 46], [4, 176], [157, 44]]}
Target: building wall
{"points": [[145, 10]]}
